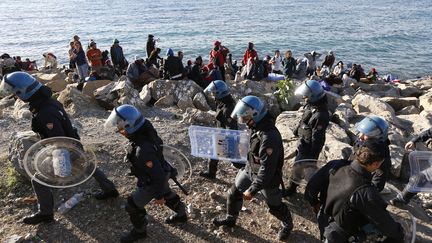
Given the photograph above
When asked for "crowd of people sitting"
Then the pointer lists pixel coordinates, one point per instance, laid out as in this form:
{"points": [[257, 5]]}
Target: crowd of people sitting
{"points": [[90, 63]]}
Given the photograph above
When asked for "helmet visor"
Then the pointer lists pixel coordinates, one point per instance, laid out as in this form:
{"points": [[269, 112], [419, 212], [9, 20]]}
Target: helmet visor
{"points": [[242, 112], [5, 88], [211, 89], [303, 91], [114, 123]]}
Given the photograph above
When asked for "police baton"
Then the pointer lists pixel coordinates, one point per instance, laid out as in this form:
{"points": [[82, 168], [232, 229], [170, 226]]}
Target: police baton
{"points": [[179, 185]]}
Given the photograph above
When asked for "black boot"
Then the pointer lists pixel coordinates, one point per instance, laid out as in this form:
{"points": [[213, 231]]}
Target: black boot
{"points": [[285, 232], [212, 169], [227, 221], [176, 218], [106, 195], [133, 236], [290, 190], [38, 218]]}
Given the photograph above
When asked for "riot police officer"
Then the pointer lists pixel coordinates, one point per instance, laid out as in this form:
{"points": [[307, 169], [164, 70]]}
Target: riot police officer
{"points": [[406, 195], [149, 166], [376, 128], [353, 202], [49, 120], [263, 171], [311, 130], [224, 107]]}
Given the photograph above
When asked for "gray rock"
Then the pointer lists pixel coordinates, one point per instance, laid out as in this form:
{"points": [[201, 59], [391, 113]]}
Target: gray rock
{"points": [[200, 102], [397, 157], [6, 102], [424, 84], [75, 102], [195, 116], [366, 103], [426, 101], [407, 90], [14, 239], [165, 101], [400, 103], [21, 110], [145, 94], [286, 122], [90, 87], [338, 133], [104, 97], [185, 102], [409, 110], [414, 124], [333, 100], [343, 114], [20, 142], [128, 95]]}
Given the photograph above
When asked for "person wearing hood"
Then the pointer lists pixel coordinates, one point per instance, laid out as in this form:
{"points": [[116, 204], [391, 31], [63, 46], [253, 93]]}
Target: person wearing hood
{"points": [[311, 129], [117, 57], [263, 170], [148, 165], [135, 71], [173, 66], [329, 60], [151, 45], [312, 58], [49, 120], [196, 74]]}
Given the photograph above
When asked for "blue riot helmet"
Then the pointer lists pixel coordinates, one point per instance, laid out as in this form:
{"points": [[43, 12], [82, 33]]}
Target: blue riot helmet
{"points": [[218, 88], [249, 107], [21, 84], [125, 118], [373, 127], [170, 52], [310, 89]]}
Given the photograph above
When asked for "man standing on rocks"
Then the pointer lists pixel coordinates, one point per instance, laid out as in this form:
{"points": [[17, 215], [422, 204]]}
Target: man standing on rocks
{"points": [[149, 166], [225, 105], [405, 197], [263, 171], [49, 120], [94, 55], [311, 129]]}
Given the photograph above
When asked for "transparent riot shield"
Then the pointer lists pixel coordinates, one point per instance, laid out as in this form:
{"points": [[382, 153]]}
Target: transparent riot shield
{"points": [[303, 170], [179, 161], [59, 162], [421, 171], [219, 143], [408, 223]]}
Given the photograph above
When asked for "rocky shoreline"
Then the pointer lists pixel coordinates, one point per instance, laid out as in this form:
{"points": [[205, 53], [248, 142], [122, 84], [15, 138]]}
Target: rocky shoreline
{"points": [[172, 106]]}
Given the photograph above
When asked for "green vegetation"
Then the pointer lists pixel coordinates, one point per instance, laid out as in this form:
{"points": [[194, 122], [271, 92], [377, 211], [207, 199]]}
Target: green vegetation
{"points": [[9, 177], [285, 89]]}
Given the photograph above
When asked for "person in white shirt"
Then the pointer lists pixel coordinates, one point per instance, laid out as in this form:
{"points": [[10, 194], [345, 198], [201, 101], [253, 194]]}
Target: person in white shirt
{"points": [[276, 63]]}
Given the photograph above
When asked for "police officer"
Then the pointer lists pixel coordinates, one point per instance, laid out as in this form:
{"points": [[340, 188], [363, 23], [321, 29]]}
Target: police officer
{"points": [[353, 202], [49, 120], [406, 195], [263, 171], [149, 166], [376, 128], [311, 130], [224, 107]]}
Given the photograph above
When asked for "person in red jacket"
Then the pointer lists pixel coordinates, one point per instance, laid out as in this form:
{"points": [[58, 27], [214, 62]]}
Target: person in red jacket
{"points": [[217, 57], [250, 53]]}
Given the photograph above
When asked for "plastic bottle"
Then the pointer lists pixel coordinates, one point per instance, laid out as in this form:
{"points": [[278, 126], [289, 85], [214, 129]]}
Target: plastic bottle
{"points": [[74, 200]]}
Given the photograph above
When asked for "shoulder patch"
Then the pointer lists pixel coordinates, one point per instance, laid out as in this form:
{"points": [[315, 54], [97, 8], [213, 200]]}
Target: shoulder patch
{"points": [[149, 164], [50, 125], [269, 151]]}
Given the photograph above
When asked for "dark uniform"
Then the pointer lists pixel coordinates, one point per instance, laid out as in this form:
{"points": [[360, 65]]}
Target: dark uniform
{"points": [[380, 176], [224, 108], [312, 131], [51, 120], [263, 172], [153, 172], [352, 201]]}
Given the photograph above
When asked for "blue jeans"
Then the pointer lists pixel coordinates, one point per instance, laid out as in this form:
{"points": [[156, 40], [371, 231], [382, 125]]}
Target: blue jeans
{"points": [[82, 71]]}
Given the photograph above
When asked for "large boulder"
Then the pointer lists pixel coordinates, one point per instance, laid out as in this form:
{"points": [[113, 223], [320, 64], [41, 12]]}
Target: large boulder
{"points": [[197, 117], [128, 95], [49, 77], [145, 94], [57, 85], [185, 102], [333, 100], [21, 110], [90, 87], [409, 110], [400, 103], [343, 115], [165, 101], [397, 157], [412, 125], [334, 149], [247, 87], [366, 103], [407, 90], [426, 101], [337, 133], [200, 102], [75, 102], [7, 102], [286, 122], [423, 84], [104, 97], [19, 143]]}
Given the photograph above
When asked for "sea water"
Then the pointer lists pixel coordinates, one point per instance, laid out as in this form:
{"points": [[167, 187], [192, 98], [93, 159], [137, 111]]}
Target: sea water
{"points": [[393, 36]]}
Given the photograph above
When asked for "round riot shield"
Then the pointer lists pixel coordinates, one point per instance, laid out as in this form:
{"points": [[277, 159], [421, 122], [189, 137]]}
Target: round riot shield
{"points": [[303, 170], [179, 161], [59, 162], [408, 223], [421, 171]]}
